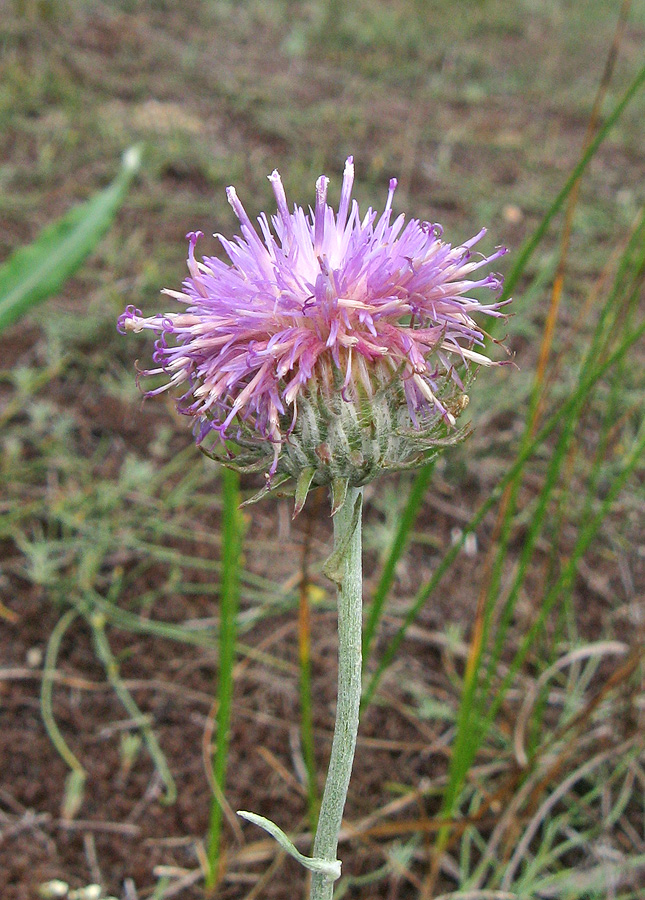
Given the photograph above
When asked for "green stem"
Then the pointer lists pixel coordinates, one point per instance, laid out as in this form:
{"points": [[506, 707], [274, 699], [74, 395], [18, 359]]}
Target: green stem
{"points": [[229, 600], [46, 691], [347, 551]]}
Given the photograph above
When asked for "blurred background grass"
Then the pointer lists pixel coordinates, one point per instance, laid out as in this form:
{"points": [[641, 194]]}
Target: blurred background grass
{"points": [[110, 519]]}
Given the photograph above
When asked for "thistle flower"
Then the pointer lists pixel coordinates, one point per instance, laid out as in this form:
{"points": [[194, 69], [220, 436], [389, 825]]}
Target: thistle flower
{"points": [[333, 347]]}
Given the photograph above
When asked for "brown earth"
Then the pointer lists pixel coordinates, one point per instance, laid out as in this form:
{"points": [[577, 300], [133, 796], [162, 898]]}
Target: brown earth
{"points": [[485, 122]]}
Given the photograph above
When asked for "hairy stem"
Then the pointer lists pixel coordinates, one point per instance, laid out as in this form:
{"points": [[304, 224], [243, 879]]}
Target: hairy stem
{"points": [[347, 553]]}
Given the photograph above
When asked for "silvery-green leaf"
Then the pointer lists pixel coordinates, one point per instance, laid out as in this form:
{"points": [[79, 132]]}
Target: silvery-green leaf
{"points": [[329, 868], [338, 494], [302, 488], [268, 488]]}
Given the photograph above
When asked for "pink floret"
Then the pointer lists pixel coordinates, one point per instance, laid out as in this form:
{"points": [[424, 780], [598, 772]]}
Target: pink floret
{"points": [[319, 287]]}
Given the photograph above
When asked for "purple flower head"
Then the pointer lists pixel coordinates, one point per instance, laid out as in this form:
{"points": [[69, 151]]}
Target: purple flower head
{"points": [[329, 341]]}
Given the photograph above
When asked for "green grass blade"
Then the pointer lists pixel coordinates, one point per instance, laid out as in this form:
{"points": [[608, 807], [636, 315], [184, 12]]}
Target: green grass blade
{"points": [[129, 621], [610, 314], [586, 536], [46, 690], [96, 622], [475, 697], [473, 724], [625, 289], [584, 386], [625, 292], [532, 243], [229, 601], [529, 446], [38, 271], [408, 518], [307, 738]]}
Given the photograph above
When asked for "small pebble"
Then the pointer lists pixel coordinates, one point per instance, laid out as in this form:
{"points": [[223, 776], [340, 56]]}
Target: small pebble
{"points": [[34, 660], [512, 213], [90, 892], [470, 543], [53, 890]]}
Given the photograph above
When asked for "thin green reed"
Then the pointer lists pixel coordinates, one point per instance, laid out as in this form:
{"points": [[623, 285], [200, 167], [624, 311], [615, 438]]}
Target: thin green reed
{"points": [[374, 612], [469, 708], [591, 492], [613, 312], [526, 252], [229, 603], [565, 580], [304, 659], [470, 731], [525, 454], [96, 621], [530, 446], [473, 723], [77, 774]]}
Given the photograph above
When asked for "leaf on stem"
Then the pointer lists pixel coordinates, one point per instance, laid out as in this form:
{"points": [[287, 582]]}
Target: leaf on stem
{"points": [[328, 868]]}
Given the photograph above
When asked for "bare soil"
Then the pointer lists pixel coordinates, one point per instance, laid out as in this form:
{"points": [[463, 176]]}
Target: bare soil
{"points": [[480, 124]]}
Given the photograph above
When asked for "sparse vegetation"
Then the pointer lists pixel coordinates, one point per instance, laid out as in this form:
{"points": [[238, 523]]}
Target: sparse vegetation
{"points": [[501, 747]]}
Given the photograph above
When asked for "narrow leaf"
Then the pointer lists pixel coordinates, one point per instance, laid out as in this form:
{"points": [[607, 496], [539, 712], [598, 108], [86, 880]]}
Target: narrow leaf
{"points": [[334, 567], [338, 494], [267, 489], [329, 868], [302, 488], [229, 604], [406, 522], [527, 250], [38, 271]]}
